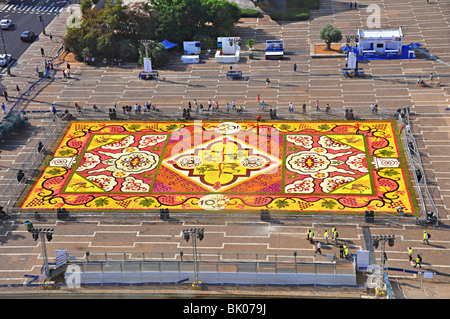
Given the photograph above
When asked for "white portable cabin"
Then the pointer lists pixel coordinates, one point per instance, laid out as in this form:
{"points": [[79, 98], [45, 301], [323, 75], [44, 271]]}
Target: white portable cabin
{"points": [[274, 49], [192, 50], [228, 50], [373, 43]]}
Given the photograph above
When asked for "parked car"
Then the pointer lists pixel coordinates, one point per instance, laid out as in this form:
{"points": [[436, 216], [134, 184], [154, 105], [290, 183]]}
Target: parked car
{"points": [[3, 58], [27, 36], [5, 23]]}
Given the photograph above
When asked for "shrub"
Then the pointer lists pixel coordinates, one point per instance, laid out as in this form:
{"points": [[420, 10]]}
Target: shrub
{"points": [[290, 16], [250, 13]]}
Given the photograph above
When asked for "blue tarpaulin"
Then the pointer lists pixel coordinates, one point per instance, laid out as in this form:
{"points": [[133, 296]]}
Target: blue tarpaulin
{"points": [[168, 45]]}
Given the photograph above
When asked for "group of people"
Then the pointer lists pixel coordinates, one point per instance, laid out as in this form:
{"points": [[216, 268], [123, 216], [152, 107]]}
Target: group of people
{"points": [[213, 106], [344, 250]]}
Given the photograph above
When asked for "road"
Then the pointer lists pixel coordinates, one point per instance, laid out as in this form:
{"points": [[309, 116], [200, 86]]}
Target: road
{"points": [[25, 16]]}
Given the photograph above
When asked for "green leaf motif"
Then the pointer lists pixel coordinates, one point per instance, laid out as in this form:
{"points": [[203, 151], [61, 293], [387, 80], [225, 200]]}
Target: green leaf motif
{"points": [[54, 171], [146, 202], [101, 202], [328, 204], [390, 172], [281, 203]]}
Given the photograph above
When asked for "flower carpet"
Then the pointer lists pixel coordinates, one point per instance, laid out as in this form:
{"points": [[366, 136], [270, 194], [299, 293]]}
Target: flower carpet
{"points": [[295, 167]]}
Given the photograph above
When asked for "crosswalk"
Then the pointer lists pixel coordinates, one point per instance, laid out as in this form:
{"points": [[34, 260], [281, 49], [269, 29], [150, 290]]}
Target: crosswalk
{"points": [[32, 8]]}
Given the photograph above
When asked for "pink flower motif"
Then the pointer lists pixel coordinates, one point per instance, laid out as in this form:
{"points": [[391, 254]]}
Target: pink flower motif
{"points": [[134, 185], [305, 141], [304, 186], [89, 161], [151, 140]]}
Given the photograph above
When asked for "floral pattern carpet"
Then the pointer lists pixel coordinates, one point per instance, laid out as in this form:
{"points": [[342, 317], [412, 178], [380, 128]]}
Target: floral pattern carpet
{"points": [[211, 166]]}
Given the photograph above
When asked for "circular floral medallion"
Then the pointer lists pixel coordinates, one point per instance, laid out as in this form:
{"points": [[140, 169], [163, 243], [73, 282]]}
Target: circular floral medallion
{"points": [[190, 161], [253, 162]]}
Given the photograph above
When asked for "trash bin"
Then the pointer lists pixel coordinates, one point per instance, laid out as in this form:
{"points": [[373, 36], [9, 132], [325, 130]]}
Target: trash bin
{"points": [[28, 225], [250, 55], [41, 73]]}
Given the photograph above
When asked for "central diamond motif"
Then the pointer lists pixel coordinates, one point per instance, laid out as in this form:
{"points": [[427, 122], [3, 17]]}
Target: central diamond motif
{"points": [[222, 163]]}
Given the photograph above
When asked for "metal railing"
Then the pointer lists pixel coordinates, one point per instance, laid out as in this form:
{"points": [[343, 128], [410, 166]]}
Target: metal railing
{"points": [[412, 151]]}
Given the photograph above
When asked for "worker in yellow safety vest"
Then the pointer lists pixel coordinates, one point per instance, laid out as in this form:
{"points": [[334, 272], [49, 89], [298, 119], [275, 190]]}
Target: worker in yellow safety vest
{"points": [[410, 253], [426, 236], [311, 237], [346, 252], [418, 261], [326, 235]]}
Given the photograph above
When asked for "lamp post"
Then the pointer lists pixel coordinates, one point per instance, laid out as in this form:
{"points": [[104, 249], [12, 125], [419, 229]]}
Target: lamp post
{"points": [[145, 43], [36, 233], [376, 240], [194, 234], [43, 24]]}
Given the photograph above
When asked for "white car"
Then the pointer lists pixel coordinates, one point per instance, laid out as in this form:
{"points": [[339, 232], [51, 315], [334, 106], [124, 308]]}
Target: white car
{"points": [[3, 59], [5, 23]]}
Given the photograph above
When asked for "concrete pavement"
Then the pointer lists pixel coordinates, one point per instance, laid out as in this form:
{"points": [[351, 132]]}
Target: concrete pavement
{"points": [[389, 83]]}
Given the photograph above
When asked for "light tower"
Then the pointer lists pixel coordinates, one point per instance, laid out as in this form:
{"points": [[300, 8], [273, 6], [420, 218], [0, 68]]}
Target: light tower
{"points": [[376, 240], [194, 234]]}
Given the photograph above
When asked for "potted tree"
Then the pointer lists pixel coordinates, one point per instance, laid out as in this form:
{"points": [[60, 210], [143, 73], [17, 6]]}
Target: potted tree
{"points": [[250, 43], [330, 34]]}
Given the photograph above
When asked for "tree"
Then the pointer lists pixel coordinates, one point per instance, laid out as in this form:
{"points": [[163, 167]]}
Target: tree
{"points": [[250, 43], [330, 34], [157, 52], [85, 5]]}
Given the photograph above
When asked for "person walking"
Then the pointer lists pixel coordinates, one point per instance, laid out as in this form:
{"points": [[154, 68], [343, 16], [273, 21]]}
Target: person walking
{"points": [[318, 246], [346, 252], [304, 108], [317, 105], [42, 52], [53, 109], [267, 82], [295, 67], [4, 108], [326, 235], [426, 236], [5, 94], [311, 237], [410, 253], [291, 107], [431, 77], [258, 99], [36, 68], [341, 251], [307, 233], [418, 261], [18, 89], [327, 108], [408, 128], [335, 237]]}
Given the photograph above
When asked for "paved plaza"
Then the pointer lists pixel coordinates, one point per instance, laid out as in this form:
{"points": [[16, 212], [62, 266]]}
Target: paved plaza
{"points": [[390, 84]]}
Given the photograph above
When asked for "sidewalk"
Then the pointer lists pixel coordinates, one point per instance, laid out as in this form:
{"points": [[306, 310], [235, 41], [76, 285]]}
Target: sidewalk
{"points": [[23, 72]]}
